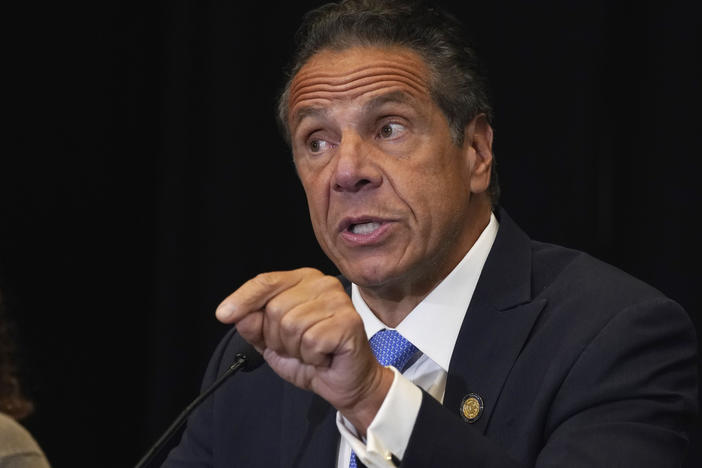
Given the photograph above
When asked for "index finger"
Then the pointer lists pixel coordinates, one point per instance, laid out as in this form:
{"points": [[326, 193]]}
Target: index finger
{"points": [[256, 292]]}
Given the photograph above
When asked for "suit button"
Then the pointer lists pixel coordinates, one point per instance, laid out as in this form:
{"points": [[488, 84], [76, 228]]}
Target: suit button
{"points": [[471, 407]]}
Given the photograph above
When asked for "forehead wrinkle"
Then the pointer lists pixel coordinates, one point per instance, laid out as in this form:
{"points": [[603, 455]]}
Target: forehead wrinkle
{"points": [[309, 77], [354, 90], [321, 86], [306, 83]]}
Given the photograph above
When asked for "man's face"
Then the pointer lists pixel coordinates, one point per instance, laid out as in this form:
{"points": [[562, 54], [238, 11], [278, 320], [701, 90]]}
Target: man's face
{"points": [[391, 197]]}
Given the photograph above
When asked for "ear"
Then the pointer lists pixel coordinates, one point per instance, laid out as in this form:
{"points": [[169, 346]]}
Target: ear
{"points": [[477, 146]]}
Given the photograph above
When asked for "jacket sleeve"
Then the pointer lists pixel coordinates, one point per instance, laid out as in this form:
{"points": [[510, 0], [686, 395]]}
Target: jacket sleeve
{"points": [[627, 401]]}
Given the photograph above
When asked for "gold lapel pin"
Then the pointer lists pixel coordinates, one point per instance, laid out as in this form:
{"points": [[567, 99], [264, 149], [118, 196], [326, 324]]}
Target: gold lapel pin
{"points": [[471, 407]]}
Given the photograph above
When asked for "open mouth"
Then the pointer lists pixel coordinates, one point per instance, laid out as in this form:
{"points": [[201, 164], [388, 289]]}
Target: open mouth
{"points": [[363, 228]]}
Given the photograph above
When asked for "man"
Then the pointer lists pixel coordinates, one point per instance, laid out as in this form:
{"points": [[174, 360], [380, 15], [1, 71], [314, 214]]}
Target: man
{"points": [[517, 353]]}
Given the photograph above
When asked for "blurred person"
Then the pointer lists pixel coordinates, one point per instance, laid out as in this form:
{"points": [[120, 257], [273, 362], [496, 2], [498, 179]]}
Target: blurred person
{"points": [[18, 449]]}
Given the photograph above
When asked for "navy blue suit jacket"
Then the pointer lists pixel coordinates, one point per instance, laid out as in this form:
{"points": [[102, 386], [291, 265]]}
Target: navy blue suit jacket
{"points": [[578, 365]]}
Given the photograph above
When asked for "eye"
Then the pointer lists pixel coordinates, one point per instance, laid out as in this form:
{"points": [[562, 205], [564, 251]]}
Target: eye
{"points": [[391, 130], [317, 146]]}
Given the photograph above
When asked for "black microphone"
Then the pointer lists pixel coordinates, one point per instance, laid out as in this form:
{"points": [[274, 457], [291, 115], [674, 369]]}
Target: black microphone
{"points": [[246, 359]]}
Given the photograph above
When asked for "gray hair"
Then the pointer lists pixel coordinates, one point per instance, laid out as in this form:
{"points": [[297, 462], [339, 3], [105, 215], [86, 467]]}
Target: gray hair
{"points": [[456, 82]]}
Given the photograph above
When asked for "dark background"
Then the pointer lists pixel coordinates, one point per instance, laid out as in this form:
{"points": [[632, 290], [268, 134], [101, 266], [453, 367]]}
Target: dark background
{"points": [[144, 180]]}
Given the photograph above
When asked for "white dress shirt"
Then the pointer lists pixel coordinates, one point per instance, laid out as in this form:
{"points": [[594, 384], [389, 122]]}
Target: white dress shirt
{"points": [[432, 326]]}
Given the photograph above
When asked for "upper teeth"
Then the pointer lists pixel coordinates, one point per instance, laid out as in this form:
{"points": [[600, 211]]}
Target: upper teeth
{"points": [[364, 228]]}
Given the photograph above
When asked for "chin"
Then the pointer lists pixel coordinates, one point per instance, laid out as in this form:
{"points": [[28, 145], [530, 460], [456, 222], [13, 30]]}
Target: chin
{"points": [[369, 274]]}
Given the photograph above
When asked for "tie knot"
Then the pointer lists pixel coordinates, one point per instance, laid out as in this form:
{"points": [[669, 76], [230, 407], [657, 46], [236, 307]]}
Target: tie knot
{"points": [[392, 349]]}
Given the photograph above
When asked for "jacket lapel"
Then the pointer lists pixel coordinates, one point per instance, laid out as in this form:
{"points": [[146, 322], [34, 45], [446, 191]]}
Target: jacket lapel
{"points": [[497, 324]]}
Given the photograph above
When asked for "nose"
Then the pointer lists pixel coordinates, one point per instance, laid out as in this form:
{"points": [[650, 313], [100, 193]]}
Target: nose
{"points": [[355, 170]]}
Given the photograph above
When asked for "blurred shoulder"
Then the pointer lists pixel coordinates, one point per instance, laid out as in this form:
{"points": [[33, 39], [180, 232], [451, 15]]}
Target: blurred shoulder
{"points": [[17, 447]]}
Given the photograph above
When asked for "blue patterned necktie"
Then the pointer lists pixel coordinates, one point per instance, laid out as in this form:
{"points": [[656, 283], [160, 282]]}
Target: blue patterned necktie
{"points": [[390, 349]]}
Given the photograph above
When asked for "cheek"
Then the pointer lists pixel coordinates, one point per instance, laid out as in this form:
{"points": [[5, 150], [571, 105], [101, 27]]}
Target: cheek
{"points": [[437, 194], [316, 191]]}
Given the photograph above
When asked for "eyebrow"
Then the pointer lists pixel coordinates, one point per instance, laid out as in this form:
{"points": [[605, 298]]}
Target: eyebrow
{"points": [[308, 112]]}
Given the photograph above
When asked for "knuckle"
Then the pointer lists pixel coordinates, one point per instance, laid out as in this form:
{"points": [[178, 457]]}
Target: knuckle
{"points": [[335, 299], [329, 283], [267, 279], [288, 325], [310, 340], [275, 309], [309, 271]]}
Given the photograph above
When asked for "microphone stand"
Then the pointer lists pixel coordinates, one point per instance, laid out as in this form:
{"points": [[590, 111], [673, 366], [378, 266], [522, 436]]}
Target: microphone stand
{"points": [[240, 361]]}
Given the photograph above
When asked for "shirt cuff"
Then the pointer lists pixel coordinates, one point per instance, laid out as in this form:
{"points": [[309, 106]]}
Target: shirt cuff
{"points": [[390, 430]]}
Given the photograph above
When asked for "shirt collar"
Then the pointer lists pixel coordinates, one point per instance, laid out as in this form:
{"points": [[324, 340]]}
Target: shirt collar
{"points": [[443, 310]]}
